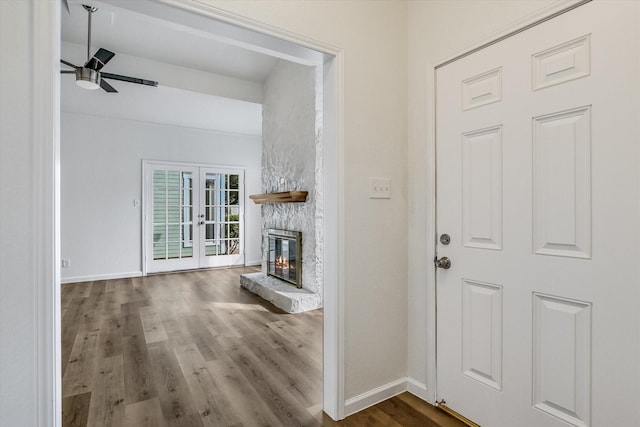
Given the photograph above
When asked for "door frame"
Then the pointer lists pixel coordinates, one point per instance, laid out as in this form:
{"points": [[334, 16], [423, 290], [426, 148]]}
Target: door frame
{"points": [[235, 29], [551, 11], [146, 201]]}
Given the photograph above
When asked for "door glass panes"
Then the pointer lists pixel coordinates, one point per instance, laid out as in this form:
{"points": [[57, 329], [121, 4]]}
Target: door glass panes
{"points": [[222, 214], [172, 214]]}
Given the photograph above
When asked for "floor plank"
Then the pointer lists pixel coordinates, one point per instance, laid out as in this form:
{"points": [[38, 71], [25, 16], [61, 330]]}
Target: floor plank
{"points": [[75, 410], [108, 399], [80, 369], [248, 404], [138, 382], [173, 392], [211, 401], [270, 387], [146, 413], [152, 325]]}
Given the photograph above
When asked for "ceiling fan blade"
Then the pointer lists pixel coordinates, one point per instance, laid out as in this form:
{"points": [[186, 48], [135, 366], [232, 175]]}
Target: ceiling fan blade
{"points": [[68, 64], [129, 79], [104, 55], [100, 59], [66, 4], [67, 72], [107, 87]]}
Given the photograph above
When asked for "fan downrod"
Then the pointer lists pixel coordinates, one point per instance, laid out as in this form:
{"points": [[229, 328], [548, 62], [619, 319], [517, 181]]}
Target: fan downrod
{"points": [[90, 10]]}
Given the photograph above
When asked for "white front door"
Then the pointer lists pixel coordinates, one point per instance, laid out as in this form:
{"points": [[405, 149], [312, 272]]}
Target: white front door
{"points": [[194, 217], [538, 186]]}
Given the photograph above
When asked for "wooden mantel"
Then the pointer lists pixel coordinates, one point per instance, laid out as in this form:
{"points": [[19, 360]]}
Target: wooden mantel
{"points": [[282, 197]]}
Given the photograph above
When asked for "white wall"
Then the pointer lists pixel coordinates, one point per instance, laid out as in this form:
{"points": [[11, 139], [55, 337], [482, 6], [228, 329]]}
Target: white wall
{"points": [[28, 131], [437, 29], [374, 38], [101, 175], [18, 343]]}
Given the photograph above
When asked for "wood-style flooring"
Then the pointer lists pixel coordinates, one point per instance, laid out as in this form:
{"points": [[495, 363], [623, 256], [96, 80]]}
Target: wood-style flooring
{"points": [[194, 349]]}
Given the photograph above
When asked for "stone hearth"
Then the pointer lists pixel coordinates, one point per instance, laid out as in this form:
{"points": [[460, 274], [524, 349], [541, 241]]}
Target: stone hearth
{"points": [[281, 294]]}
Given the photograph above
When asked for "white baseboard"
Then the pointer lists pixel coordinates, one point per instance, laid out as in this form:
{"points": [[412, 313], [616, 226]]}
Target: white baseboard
{"points": [[418, 389], [384, 392], [100, 277], [252, 263], [372, 397]]}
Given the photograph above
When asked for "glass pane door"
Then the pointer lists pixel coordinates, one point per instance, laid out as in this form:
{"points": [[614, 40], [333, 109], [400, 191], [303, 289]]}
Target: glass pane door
{"points": [[171, 218], [194, 217], [223, 215]]}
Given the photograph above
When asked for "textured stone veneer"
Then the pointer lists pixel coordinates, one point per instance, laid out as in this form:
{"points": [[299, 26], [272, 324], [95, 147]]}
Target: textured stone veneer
{"points": [[280, 293], [292, 160]]}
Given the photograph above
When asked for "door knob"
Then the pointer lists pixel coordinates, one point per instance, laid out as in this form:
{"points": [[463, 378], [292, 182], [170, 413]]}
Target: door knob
{"points": [[443, 262]]}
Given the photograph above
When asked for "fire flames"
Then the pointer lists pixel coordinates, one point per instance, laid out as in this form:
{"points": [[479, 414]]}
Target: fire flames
{"points": [[283, 262]]}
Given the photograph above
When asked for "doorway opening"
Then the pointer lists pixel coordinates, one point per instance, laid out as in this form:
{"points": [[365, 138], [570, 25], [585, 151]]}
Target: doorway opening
{"points": [[290, 47]]}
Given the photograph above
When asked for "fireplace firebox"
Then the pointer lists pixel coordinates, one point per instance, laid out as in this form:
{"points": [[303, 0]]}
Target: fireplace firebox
{"points": [[285, 256]]}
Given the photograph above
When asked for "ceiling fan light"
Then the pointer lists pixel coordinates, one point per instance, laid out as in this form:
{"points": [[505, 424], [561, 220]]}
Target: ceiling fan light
{"points": [[87, 78]]}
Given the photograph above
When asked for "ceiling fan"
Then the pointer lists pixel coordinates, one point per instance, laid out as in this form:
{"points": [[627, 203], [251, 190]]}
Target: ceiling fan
{"points": [[90, 76]]}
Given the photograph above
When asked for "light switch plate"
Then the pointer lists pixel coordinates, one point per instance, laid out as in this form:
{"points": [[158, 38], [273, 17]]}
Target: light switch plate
{"points": [[379, 188]]}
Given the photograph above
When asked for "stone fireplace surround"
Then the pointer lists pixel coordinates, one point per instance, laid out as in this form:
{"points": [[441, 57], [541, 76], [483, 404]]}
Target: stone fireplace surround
{"points": [[292, 160], [284, 295]]}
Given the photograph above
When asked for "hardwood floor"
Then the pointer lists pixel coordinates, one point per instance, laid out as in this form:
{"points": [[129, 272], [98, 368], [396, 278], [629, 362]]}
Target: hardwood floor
{"points": [[194, 349], [405, 410]]}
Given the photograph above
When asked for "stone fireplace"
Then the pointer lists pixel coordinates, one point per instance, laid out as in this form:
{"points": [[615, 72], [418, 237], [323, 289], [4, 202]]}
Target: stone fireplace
{"points": [[292, 163], [285, 256]]}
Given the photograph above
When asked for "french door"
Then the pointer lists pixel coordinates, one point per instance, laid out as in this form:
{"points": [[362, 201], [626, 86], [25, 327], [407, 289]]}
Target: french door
{"points": [[193, 216], [538, 188]]}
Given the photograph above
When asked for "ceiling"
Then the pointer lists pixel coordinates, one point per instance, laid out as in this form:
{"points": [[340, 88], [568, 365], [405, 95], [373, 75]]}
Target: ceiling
{"points": [[130, 35], [128, 32]]}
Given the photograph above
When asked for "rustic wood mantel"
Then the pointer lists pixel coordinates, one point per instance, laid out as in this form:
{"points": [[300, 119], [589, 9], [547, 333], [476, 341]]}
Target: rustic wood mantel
{"points": [[282, 197]]}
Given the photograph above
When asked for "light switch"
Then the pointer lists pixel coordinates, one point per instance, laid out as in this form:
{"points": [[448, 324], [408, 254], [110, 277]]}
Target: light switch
{"points": [[379, 188]]}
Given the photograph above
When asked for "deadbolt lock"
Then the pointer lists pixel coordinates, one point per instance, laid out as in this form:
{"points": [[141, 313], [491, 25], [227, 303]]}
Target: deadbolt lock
{"points": [[445, 239]]}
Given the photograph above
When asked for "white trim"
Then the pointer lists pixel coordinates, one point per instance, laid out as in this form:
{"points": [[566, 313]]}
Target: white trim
{"points": [[431, 236], [375, 396], [384, 392], [545, 12], [253, 263], [45, 219], [333, 288], [417, 388], [178, 164], [93, 278], [301, 49], [230, 28]]}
